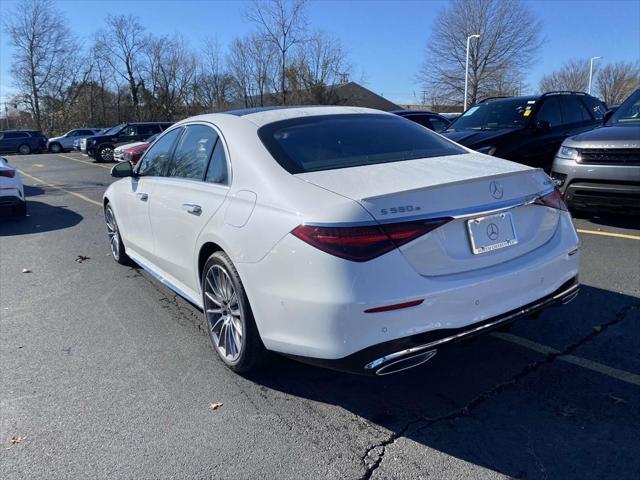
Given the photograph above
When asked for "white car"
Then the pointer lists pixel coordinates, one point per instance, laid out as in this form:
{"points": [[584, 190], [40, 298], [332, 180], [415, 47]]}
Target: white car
{"points": [[11, 190], [344, 237]]}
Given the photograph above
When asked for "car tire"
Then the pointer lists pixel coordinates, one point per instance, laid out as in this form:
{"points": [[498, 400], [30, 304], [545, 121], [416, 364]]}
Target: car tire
{"points": [[24, 149], [118, 252], [55, 148], [104, 154], [228, 316]]}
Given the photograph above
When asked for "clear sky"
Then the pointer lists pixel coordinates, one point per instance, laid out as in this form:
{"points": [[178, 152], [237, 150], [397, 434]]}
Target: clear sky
{"points": [[385, 39]]}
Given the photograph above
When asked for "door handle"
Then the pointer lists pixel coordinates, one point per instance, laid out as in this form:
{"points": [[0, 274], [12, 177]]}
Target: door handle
{"points": [[192, 208], [143, 196]]}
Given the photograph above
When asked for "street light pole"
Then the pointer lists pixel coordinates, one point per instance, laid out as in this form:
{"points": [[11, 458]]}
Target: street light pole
{"points": [[591, 72], [466, 71]]}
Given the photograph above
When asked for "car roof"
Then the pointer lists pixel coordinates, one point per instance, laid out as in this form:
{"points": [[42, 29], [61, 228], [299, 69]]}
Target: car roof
{"points": [[264, 115]]}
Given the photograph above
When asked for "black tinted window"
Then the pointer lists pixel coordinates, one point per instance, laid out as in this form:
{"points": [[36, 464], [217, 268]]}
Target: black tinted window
{"points": [[550, 111], [193, 152], [85, 132], [217, 172], [438, 124], [148, 129], [573, 110], [421, 120], [128, 131], [16, 135], [157, 157], [596, 107], [309, 144]]}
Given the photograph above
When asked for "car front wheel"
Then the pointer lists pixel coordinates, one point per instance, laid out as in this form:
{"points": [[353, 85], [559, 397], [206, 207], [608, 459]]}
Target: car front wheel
{"points": [[105, 154], [115, 240], [55, 148], [228, 316]]}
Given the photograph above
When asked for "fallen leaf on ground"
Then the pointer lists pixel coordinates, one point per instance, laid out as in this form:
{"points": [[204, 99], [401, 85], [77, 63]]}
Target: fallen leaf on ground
{"points": [[26, 270], [15, 439], [215, 405], [82, 258]]}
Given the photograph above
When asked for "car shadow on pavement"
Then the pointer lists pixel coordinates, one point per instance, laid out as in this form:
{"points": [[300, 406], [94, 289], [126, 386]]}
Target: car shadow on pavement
{"points": [[619, 220], [497, 405], [41, 217]]}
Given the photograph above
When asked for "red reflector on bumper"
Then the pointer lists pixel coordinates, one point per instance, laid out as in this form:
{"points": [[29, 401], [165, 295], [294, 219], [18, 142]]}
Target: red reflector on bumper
{"points": [[397, 306]]}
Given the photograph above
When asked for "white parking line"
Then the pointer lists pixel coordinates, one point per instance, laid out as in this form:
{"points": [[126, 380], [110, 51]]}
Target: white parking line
{"points": [[621, 375], [84, 161]]}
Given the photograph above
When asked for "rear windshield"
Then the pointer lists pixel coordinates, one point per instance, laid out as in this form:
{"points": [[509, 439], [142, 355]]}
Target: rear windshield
{"points": [[327, 142]]}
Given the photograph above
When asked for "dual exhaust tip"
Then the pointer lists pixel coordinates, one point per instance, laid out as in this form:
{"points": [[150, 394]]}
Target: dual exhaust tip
{"points": [[406, 362]]}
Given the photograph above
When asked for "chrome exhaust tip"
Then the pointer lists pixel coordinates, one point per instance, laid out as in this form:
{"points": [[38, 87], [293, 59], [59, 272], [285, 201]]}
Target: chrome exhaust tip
{"points": [[406, 363]]}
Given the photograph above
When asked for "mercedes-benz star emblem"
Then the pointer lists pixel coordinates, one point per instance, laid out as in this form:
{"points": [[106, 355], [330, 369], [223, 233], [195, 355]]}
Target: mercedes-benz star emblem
{"points": [[496, 189], [492, 231]]}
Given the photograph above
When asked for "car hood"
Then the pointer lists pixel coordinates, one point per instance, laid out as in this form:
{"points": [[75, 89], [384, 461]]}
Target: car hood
{"points": [[472, 138], [607, 137]]}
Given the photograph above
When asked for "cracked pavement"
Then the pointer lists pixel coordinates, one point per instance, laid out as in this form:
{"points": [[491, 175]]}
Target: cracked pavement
{"points": [[108, 374]]}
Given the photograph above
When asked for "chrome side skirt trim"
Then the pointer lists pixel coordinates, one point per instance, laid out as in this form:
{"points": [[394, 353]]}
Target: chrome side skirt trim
{"points": [[565, 296], [165, 282]]}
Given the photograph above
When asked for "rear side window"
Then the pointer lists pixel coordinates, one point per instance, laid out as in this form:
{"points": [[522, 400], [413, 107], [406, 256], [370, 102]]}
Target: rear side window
{"points": [[148, 129], [192, 153], [217, 172], [311, 144], [550, 111], [157, 157], [573, 110], [9, 135]]}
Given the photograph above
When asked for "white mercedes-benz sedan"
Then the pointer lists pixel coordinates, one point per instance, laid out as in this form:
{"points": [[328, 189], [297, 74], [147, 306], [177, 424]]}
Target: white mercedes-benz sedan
{"points": [[344, 237]]}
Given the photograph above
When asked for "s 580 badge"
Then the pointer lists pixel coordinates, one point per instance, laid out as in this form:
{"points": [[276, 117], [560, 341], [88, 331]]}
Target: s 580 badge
{"points": [[399, 209]]}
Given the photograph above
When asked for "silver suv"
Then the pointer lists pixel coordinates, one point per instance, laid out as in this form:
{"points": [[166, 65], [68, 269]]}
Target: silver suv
{"points": [[601, 168]]}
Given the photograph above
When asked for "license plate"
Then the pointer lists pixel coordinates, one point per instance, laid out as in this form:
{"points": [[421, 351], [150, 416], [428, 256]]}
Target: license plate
{"points": [[492, 232]]}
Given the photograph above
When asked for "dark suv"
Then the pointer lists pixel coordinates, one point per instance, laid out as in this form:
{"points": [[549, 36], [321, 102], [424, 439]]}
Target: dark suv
{"points": [[23, 142], [101, 146], [529, 129]]}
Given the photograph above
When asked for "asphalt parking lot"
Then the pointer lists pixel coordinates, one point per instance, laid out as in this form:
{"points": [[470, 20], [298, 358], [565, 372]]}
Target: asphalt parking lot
{"points": [[106, 373]]}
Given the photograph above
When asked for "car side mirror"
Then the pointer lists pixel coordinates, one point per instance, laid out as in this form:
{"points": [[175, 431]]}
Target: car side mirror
{"points": [[607, 115], [122, 170], [541, 126]]}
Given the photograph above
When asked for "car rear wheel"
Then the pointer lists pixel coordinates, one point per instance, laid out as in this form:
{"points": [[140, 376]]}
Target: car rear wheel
{"points": [[228, 316], [55, 148], [115, 241], [105, 154], [24, 149]]}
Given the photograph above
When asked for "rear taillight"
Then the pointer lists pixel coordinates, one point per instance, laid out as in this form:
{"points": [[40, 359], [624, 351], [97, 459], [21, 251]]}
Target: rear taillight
{"points": [[553, 200], [7, 173], [360, 244]]}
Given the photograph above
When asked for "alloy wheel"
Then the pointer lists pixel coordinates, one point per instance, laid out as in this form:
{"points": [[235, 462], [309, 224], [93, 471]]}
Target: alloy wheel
{"points": [[112, 232], [223, 313], [106, 154]]}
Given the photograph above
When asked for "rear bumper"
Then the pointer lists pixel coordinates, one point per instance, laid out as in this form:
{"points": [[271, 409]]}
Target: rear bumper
{"points": [[607, 195], [383, 358]]}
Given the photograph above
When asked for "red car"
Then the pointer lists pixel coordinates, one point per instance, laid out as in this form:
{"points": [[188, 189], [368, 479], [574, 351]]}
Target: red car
{"points": [[133, 154]]}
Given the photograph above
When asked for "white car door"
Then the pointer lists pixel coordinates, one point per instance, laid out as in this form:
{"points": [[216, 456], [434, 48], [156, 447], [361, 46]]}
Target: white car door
{"points": [[139, 194], [185, 199]]}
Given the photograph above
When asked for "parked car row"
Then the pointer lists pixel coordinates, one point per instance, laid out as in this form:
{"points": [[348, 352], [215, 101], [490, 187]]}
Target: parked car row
{"points": [[102, 147]]}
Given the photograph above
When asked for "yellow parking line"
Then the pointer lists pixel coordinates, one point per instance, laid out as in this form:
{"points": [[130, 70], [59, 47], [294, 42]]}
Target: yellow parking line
{"points": [[618, 374], [609, 234], [85, 162], [51, 185]]}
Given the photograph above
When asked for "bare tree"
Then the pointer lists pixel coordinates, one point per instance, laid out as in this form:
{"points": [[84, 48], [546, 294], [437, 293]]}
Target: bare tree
{"points": [[616, 81], [214, 83], [319, 68], [573, 75], [251, 61], [283, 24], [121, 44], [43, 47], [509, 39]]}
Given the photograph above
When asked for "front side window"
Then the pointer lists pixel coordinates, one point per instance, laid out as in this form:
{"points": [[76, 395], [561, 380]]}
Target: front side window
{"points": [[494, 114], [158, 156], [192, 153], [629, 112], [315, 143], [573, 110], [129, 131], [550, 112], [597, 108], [217, 172]]}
